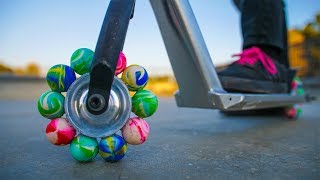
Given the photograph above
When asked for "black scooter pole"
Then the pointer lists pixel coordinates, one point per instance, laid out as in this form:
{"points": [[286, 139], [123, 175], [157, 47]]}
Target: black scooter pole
{"points": [[109, 45]]}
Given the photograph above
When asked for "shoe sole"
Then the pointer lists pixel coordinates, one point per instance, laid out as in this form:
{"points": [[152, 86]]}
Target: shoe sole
{"points": [[234, 84]]}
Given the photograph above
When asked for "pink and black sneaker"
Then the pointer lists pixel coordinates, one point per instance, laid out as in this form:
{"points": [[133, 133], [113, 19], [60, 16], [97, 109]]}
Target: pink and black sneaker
{"points": [[256, 72]]}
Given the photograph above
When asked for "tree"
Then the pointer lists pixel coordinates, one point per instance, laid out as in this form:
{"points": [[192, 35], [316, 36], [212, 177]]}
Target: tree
{"points": [[311, 31], [5, 69], [32, 69]]}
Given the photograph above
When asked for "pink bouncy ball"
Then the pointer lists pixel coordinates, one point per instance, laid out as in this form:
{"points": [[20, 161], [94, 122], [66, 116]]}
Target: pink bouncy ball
{"points": [[59, 132], [135, 131], [122, 63]]}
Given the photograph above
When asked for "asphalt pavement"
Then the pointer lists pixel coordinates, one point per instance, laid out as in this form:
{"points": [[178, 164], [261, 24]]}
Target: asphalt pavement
{"points": [[183, 144]]}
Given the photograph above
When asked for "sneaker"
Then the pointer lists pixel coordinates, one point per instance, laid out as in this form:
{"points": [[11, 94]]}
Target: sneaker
{"points": [[256, 72]]}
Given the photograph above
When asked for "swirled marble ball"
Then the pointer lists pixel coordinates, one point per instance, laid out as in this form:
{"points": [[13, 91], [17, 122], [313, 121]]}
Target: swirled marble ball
{"points": [[112, 148], [135, 131], [51, 105], [294, 111], [122, 63], [135, 77], [59, 132], [144, 103], [60, 77], [81, 60], [297, 87], [84, 148]]}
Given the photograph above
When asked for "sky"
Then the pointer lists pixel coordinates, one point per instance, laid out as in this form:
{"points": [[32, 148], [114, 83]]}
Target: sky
{"points": [[48, 32]]}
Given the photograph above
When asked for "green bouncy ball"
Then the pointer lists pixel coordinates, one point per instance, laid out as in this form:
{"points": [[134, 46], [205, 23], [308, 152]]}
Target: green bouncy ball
{"points": [[51, 105], [144, 103], [83, 148], [81, 60]]}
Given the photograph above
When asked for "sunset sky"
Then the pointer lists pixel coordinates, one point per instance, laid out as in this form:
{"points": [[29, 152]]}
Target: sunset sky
{"points": [[47, 32]]}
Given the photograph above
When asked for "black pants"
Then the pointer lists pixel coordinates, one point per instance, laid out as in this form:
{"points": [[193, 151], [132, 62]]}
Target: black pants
{"points": [[263, 24]]}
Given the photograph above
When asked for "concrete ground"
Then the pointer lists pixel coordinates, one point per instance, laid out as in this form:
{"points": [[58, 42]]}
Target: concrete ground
{"points": [[183, 144]]}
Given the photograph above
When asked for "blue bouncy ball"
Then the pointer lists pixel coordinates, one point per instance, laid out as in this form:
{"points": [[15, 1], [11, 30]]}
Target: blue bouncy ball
{"points": [[112, 148], [60, 77], [135, 77]]}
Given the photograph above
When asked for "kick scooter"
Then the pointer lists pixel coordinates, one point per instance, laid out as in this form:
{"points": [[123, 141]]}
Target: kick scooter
{"points": [[98, 104]]}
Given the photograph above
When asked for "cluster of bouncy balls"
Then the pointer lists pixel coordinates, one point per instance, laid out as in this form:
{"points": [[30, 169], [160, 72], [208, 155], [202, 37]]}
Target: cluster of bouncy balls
{"points": [[83, 148], [295, 111]]}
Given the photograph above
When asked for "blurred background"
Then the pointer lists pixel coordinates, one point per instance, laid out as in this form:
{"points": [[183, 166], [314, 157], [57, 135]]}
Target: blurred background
{"points": [[36, 35]]}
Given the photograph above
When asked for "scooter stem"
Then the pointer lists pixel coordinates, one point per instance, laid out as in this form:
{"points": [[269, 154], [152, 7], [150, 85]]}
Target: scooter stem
{"points": [[109, 45]]}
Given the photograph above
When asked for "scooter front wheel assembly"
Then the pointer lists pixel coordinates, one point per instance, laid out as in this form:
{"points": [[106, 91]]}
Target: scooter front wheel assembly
{"points": [[90, 134]]}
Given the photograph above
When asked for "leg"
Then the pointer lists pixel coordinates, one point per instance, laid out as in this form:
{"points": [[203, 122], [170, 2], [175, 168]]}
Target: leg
{"points": [[263, 24], [263, 65]]}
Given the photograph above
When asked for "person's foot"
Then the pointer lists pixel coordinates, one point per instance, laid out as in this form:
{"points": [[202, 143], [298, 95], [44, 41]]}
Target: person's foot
{"points": [[256, 72]]}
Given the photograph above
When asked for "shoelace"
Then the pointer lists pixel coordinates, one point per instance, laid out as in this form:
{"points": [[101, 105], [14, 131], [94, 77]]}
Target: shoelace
{"points": [[252, 55]]}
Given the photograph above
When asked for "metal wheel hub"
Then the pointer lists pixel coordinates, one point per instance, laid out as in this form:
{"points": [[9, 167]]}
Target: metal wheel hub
{"points": [[105, 124]]}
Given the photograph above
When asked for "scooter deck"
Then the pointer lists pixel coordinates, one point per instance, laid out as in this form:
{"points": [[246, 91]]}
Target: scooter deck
{"points": [[236, 102]]}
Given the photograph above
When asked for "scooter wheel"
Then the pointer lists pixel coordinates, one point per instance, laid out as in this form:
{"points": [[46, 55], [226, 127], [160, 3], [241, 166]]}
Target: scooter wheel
{"points": [[295, 111], [81, 129]]}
